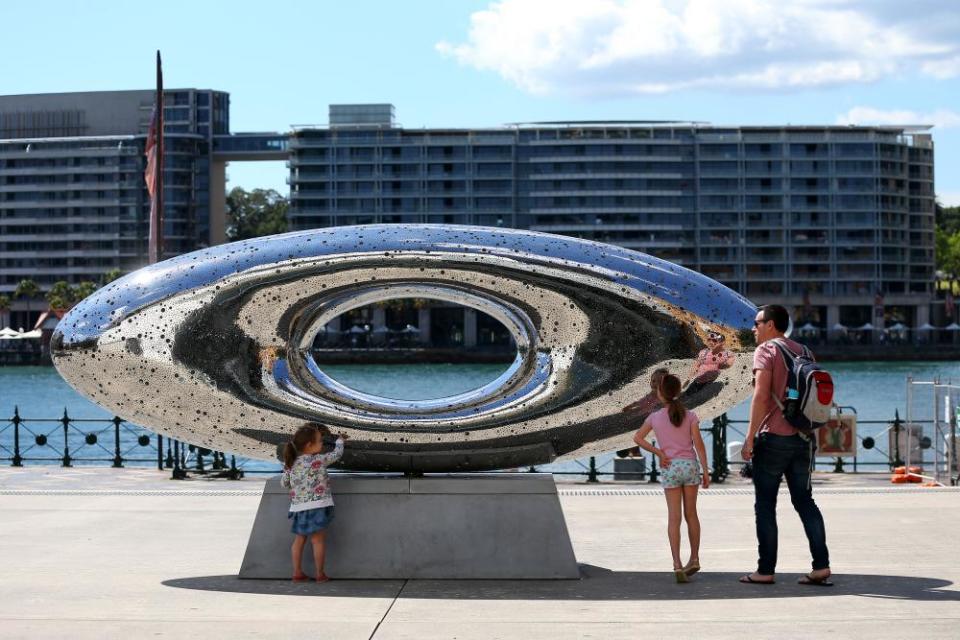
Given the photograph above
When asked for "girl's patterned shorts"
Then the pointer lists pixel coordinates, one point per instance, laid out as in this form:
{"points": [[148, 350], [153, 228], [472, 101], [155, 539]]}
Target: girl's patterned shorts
{"points": [[680, 473]]}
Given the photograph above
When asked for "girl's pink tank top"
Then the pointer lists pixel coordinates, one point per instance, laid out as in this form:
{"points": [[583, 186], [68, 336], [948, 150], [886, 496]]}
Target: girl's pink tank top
{"points": [[676, 442]]}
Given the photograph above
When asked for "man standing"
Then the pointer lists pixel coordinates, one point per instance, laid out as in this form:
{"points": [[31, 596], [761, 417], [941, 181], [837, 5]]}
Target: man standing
{"points": [[778, 450]]}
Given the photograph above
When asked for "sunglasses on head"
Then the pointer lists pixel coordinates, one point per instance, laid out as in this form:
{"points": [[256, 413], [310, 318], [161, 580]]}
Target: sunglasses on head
{"points": [[757, 323]]}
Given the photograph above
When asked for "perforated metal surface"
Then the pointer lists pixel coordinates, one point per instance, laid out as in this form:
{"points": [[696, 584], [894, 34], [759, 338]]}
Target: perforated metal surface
{"points": [[214, 347]]}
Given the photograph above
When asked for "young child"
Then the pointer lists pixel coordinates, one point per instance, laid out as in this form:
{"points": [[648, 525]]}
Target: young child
{"points": [[311, 503], [677, 431]]}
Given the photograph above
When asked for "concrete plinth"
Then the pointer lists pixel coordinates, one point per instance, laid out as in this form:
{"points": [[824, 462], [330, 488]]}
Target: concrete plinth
{"points": [[434, 527]]}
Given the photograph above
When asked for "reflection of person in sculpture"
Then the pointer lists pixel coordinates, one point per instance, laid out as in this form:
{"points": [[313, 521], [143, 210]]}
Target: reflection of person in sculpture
{"points": [[644, 406], [649, 402], [311, 502], [267, 357], [706, 368], [677, 432]]}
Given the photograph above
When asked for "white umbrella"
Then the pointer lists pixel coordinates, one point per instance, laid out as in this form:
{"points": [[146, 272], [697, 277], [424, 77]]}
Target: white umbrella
{"points": [[953, 326], [926, 326], [9, 334], [808, 327], [381, 330], [866, 327], [357, 329], [411, 329], [839, 327], [36, 333], [897, 327]]}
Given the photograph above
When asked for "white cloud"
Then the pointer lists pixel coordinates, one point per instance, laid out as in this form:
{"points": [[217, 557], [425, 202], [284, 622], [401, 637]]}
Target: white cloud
{"points": [[622, 47], [942, 69], [948, 198], [941, 118]]}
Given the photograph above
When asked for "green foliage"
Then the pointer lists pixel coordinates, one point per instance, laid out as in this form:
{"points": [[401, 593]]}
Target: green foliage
{"points": [[947, 243], [251, 214], [4, 303], [61, 295], [948, 253], [110, 276], [84, 289], [948, 219], [26, 289]]}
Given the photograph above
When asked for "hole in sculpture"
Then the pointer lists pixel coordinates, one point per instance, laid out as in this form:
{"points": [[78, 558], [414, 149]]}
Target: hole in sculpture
{"points": [[414, 349]]}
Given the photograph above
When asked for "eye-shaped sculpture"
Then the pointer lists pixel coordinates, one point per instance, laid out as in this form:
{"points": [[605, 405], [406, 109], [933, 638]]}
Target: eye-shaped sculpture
{"points": [[214, 347]]}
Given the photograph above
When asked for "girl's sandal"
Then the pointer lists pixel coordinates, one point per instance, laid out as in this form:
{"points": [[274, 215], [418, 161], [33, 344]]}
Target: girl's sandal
{"points": [[323, 578], [300, 578], [692, 567], [681, 576]]}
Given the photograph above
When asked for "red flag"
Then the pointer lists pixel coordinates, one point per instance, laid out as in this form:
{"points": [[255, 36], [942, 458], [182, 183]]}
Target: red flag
{"points": [[153, 175]]}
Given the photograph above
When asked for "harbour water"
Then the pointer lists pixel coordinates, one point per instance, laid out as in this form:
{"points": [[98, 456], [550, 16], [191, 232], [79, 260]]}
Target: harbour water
{"points": [[875, 389]]}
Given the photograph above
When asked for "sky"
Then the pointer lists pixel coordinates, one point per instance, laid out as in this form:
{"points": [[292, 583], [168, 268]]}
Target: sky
{"points": [[472, 63]]}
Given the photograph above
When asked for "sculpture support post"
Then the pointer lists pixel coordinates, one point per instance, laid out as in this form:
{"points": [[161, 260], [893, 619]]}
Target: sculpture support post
{"points": [[504, 526]]}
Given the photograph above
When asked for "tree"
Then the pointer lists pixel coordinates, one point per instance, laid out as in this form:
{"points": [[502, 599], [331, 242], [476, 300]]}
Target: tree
{"points": [[28, 290], [110, 276], [948, 218], [947, 244], [83, 290], [251, 214], [4, 308], [947, 253], [61, 295]]}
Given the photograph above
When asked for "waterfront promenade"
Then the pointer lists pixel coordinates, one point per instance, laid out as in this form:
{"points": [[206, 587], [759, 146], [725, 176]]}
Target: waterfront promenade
{"points": [[102, 553]]}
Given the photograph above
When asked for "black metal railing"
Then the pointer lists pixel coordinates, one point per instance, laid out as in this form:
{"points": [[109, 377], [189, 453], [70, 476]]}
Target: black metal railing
{"points": [[89, 441], [69, 441]]}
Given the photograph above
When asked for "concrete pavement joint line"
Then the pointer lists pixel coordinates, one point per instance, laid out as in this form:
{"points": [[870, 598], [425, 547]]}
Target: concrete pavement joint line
{"points": [[749, 491], [125, 492], [563, 492], [387, 612]]}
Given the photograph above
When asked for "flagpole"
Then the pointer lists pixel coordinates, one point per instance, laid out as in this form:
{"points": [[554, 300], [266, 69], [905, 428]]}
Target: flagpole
{"points": [[158, 235]]}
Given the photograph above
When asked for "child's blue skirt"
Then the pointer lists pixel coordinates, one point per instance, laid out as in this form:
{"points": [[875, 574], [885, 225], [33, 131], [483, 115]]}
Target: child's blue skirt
{"points": [[311, 520]]}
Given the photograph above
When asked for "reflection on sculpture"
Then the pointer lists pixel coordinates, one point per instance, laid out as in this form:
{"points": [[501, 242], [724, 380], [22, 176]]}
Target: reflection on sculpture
{"points": [[709, 363], [214, 347]]}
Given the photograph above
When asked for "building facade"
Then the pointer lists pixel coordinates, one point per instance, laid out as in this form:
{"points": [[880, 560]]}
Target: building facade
{"points": [[73, 203], [833, 221]]}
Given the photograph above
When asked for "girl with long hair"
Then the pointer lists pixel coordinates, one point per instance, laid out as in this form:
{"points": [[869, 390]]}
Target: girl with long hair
{"points": [[677, 433]]}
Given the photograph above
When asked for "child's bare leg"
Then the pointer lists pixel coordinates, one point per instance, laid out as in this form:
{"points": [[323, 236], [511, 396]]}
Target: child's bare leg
{"points": [[319, 542], [693, 521], [674, 497], [296, 554]]}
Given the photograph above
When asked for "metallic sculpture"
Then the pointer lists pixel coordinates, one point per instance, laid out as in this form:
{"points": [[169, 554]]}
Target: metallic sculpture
{"points": [[214, 347]]}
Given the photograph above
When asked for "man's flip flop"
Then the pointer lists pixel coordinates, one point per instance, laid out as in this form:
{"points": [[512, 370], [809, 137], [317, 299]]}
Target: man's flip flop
{"points": [[748, 580], [815, 582]]}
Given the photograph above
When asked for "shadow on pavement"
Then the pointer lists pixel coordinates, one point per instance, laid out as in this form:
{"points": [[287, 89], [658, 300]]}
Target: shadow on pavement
{"points": [[597, 584]]}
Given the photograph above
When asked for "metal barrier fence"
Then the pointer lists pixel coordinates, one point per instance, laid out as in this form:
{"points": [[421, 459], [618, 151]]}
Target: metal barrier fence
{"points": [[71, 441]]}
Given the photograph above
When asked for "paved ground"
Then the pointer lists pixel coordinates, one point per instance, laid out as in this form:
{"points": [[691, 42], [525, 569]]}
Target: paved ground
{"points": [[129, 554]]}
